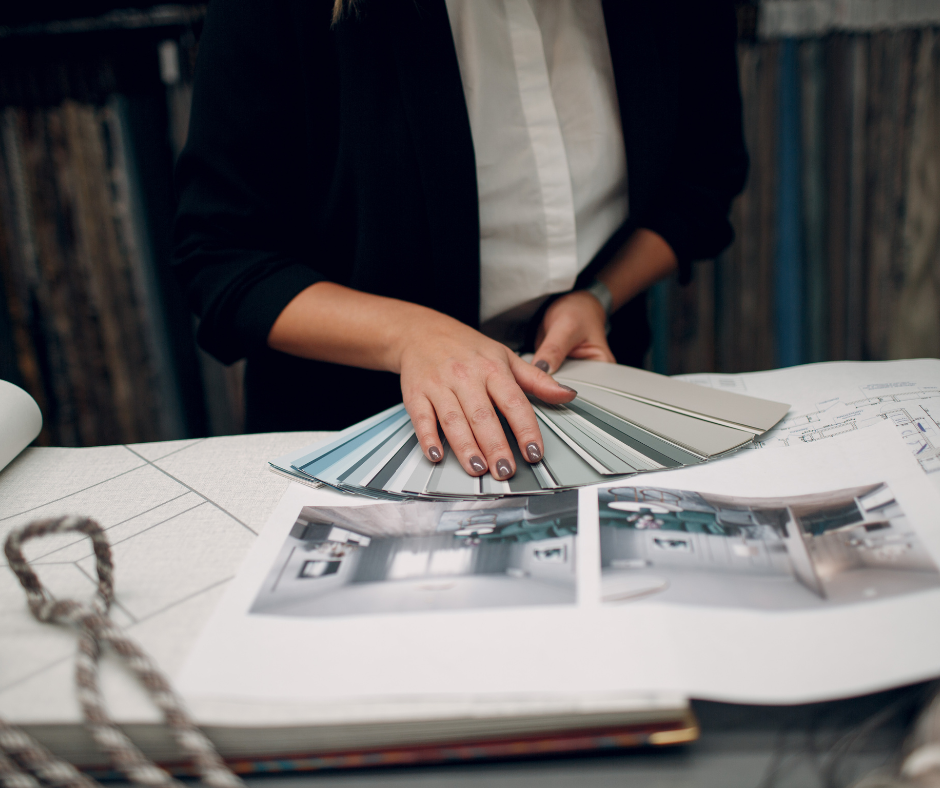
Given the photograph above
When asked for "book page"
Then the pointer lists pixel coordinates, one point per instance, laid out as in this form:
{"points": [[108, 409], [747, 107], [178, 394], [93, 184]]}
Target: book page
{"points": [[349, 611], [790, 575], [406, 631]]}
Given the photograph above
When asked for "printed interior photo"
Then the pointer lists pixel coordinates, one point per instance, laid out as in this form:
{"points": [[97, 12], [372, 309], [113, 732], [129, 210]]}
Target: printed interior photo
{"points": [[804, 552], [422, 556]]}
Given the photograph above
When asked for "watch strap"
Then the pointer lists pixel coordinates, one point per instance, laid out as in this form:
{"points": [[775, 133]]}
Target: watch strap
{"points": [[602, 293]]}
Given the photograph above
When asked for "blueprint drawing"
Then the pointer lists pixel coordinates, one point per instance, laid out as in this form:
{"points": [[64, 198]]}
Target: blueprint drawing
{"points": [[836, 398]]}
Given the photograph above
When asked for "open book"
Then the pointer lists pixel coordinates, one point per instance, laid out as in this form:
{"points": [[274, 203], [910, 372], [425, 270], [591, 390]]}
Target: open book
{"points": [[787, 575]]}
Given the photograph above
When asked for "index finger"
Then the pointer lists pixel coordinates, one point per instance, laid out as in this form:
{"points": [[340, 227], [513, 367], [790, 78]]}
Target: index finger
{"points": [[512, 403]]}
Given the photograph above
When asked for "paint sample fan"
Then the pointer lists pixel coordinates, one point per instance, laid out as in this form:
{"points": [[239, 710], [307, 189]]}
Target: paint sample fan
{"points": [[624, 421]]}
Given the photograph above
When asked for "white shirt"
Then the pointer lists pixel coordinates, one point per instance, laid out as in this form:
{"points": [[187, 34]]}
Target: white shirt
{"points": [[550, 159]]}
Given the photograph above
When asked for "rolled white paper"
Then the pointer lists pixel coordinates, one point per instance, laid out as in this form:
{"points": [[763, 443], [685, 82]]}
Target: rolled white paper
{"points": [[20, 421]]}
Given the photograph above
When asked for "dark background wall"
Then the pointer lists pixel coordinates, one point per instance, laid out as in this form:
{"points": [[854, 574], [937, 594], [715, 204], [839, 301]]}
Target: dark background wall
{"points": [[837, 254]]}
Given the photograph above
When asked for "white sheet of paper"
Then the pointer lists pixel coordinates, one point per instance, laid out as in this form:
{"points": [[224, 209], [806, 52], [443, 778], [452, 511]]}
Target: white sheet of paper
{"points": [[839, 397], [20, 421], [472, 661]]}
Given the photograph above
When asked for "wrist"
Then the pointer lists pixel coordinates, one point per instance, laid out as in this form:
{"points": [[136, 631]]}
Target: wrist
{"points": [[411, 328]]}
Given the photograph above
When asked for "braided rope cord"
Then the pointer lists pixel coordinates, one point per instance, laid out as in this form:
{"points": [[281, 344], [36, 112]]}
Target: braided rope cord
{"points": [[18, 751]]}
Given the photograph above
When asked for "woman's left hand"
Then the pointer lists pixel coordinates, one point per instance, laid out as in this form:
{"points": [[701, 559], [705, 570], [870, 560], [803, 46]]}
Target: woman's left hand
{"points": [[574, 326]]}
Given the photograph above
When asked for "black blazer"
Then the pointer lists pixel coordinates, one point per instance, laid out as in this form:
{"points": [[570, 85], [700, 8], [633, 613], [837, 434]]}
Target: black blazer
{"points": [[345, 154]]}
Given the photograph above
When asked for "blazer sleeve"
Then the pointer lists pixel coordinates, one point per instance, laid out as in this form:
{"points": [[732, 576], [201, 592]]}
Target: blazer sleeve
{"points": [[708, 162], [249, 187]]}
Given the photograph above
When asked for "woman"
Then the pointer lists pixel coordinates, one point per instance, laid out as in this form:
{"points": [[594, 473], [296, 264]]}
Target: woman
{"points": [[393, 202]]}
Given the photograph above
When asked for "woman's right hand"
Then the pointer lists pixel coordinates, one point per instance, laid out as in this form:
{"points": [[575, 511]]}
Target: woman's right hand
{"points": [[453, 374], [449, 372]]}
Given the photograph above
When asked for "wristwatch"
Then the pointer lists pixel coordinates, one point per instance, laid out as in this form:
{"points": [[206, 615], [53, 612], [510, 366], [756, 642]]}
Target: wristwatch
{"points": [[602, 293]]}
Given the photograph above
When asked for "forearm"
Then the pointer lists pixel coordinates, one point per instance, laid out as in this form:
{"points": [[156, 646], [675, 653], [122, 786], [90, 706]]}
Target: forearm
{"points": [[329, 322], [451, 375], [643, 260]]}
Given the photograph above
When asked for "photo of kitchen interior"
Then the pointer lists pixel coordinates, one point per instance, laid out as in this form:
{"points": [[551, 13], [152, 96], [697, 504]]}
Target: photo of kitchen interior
{"points": [[425, 556], [811, 551]]}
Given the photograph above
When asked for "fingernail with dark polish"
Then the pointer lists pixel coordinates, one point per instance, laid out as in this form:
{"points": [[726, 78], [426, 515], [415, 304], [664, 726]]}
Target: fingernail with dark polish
{"points": [[503, 469], [435, 454], [533, 452], [542, 364], [567, 388], [477, 464]]}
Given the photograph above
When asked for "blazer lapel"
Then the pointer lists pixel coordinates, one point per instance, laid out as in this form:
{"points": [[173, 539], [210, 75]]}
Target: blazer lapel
{"points": [[432, 92]]}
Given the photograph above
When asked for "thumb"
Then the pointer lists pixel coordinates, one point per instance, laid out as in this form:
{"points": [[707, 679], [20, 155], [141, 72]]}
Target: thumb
{"points": [[540, 384], [555, 346]]}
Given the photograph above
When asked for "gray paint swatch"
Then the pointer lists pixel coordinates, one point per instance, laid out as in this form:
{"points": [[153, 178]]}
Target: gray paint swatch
{"points": [[756, 415], [701, 437], [566, 467]]}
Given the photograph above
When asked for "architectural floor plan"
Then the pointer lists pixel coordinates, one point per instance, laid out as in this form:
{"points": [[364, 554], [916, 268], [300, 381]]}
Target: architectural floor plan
{"points": [[841, 397]]}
